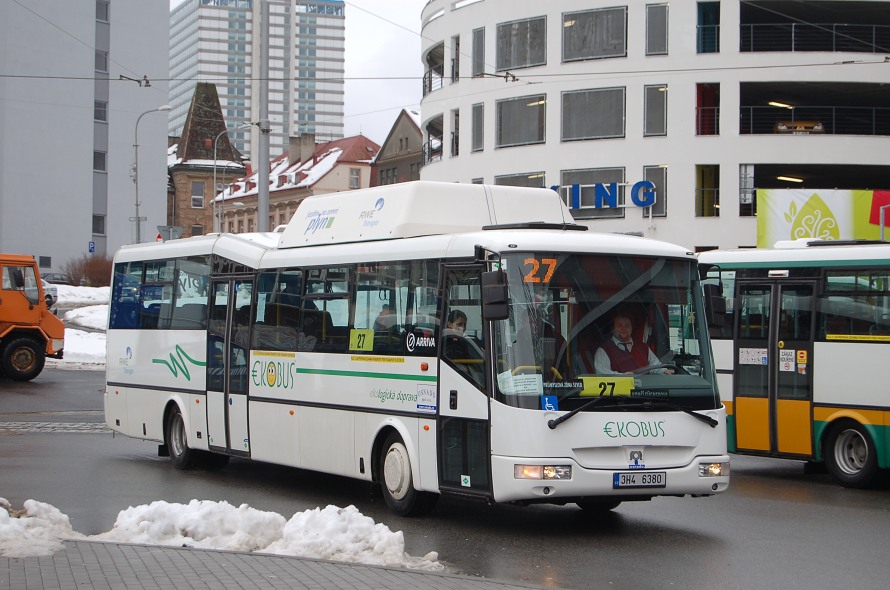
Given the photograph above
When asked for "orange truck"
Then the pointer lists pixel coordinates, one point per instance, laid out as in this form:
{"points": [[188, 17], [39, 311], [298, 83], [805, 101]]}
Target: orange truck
{"points": [[29, 331]]}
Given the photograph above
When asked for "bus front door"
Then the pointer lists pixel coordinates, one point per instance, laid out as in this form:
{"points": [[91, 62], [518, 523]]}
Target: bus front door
{"points": [[464, 456], [227, 361], [773, 368]]}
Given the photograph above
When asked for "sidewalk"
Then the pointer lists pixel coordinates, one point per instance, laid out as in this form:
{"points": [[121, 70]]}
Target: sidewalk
{"points": [[89, 564]]}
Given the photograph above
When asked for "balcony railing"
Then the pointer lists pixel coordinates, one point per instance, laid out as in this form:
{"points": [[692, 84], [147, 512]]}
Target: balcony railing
{"points": [[432, 151], [809, 120], [432, 80], [814, 37], [707, 121]]}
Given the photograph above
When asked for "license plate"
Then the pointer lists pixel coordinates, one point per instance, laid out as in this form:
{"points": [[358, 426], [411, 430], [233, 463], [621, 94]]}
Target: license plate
{"points": [[639, 479]]}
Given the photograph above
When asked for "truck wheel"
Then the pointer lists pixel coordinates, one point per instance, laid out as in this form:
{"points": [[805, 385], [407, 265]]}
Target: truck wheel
{"points": [[397, 481], [176, 439], [23, 359], [851, 456]]}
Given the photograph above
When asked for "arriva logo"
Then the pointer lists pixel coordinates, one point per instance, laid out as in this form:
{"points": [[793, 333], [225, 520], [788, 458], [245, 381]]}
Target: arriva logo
{"points": [[413, 341], [634, 429]]}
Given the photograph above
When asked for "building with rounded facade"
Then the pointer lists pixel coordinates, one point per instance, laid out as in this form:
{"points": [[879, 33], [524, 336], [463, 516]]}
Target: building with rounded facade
{"points": [[692, 122]]}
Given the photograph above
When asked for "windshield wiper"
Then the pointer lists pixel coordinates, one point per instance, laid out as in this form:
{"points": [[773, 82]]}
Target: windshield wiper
{"points": [[651, 404], [553, 423], [645, 403]]}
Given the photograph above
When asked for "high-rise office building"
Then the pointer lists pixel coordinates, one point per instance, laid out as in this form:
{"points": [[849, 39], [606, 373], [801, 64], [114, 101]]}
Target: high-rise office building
{"points": [[83, 84], [218, 41]]}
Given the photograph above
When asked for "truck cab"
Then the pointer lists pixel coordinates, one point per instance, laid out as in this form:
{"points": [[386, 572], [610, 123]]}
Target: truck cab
{"points": [[29, 331]]}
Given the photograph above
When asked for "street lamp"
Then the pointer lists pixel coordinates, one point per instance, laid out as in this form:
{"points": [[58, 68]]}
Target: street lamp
{"points": [[137, 219], [217, 218]]}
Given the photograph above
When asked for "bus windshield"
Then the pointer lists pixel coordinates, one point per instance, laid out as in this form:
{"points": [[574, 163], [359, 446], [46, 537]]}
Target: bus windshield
{"points": [[584, 326]]}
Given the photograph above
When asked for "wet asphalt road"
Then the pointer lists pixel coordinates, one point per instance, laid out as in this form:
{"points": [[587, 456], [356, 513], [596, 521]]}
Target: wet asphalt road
{"points": [[776, 527]]}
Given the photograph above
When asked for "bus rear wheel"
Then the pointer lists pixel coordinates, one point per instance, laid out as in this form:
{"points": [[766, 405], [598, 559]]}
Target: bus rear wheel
{"points": [[851, 456], [176, 439], [397, 481], [22, 359]]}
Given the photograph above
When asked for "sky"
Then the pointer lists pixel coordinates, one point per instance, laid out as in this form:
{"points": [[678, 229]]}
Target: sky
{"points": [[382, 44], [332, 532]]}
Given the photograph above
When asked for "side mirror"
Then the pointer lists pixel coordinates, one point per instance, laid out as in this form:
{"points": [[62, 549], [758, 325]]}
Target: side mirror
{"points": [[494, 296]]}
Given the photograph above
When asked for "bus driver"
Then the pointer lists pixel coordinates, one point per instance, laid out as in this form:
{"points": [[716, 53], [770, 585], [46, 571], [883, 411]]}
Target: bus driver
{"points": [[618, 354]]}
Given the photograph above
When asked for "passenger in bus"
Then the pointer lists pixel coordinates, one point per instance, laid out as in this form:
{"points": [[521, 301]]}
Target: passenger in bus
{"points": [[620, 354], [456, 322], [386, 319]]}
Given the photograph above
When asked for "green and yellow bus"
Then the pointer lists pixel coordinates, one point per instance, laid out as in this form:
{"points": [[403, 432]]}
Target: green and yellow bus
{"points": [[800, 335]]}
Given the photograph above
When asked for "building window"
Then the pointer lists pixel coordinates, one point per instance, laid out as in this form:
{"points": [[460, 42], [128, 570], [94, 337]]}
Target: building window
{"points": [[593, 114], [657, 175], [708, 31], [477, 181], [707, 109], [594, 34], [197, 230], [655, 107], [478, 52], [747, 194], [522, 43], [707, 190], [240, 226], [355, 178], [99, 161], [455, 133], [520, 121], [102, 10], [583, 201], [529, 179], [100, 110], [101, 61], [455, 59], [657, 29], [197, 195], [99, 225], [478, 116]]}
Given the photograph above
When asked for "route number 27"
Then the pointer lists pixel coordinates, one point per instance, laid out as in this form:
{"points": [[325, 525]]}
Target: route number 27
{"points": [[541, 270]]}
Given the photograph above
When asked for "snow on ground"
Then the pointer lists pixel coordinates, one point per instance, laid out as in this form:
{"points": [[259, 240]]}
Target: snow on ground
{"points": [[341, 534]]}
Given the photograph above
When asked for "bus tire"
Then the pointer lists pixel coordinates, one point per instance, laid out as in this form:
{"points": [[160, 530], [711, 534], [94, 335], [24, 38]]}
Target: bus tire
{"points": [[397, 481], [176, 439], [22, 359], [851, 456], [600, 505]]}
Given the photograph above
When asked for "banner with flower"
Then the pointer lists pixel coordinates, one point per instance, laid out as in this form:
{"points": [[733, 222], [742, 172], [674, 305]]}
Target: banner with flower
{"points": [[828, 214]]}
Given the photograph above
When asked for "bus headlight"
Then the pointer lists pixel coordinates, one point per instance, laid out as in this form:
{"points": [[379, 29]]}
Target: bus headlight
{"points": [[542, 472], [713, 469]]}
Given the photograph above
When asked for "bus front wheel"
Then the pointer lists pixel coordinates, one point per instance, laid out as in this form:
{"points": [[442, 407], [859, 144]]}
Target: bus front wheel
{"points": [[176, 440], [851, 456], [397, 481]]}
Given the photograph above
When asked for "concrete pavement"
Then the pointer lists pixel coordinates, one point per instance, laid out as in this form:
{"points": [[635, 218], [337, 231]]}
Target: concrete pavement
{"points": [[90, 564]]}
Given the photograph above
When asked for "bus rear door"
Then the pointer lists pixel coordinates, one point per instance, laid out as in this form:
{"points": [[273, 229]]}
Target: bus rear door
{"points": [[773, 368]]}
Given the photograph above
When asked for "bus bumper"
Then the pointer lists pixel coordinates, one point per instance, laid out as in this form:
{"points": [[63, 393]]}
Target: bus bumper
{"points": [[697, 478]]}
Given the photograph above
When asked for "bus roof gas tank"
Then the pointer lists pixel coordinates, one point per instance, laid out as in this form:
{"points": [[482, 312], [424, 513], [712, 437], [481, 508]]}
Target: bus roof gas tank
{"points": [[417, 209]]}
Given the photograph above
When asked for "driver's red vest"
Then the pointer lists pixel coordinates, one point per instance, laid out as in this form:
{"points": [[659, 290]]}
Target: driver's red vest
{"points": [[623, 361]]}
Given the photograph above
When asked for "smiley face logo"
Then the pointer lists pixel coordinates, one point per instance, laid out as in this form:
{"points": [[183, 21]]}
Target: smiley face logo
{"points": [[271, 374]]}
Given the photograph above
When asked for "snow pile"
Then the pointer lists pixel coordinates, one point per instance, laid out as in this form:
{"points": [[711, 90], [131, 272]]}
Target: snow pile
{"points": [[34, 531], [340, 534]]}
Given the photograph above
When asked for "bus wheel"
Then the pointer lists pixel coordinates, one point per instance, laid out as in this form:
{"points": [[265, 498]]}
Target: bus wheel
{"points": [[601, 505], [177, 442], [397, 481], [22, 359], [851, 456]]}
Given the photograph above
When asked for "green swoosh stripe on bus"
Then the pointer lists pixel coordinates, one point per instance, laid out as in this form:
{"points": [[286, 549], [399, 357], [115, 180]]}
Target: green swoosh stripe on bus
{"points": [[177, 364]]}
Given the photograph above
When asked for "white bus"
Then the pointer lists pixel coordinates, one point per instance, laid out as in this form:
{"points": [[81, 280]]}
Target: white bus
{"points": [[327, 346], [800, 335]]}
